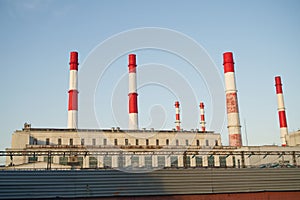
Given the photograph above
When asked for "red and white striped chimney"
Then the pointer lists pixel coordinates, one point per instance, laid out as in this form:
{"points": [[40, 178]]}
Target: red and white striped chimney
{"points": [[73, 92], [177, 122], [202, 117], [234, 127], [281, 111], [133, 108]]}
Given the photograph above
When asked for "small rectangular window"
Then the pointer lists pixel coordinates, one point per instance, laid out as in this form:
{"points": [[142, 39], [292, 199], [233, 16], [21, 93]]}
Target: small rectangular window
{"points": [[126, 142], [116, 141], [105, 141], [136, 141], [198, 143], [94, 142], [186, 142], [47, 141], [167, 141], [216, 143], [177, 142], [147, 142], [157, 142], [71, 141], [82, 141], [206, 143], [198, 161], [59, 141], [211, 161], [222, 161]]}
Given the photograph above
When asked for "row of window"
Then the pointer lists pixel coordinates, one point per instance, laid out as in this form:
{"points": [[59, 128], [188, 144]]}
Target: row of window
{"points": [[137, 142], [161, 161]]}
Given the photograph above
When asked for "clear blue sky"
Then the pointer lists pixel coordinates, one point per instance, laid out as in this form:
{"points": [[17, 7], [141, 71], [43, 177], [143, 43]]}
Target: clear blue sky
{"points": [[37, 36]]}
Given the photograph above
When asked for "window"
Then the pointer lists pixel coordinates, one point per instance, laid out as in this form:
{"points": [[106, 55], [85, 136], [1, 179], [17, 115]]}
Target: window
{"points": [[105, 141], [59, 141], [174, 161], [206, 143], [47, 141], [198, 143], [107, 162], [116, 141], [147, 142], [216, 143], [135, 161], [222, 161], [35, 141], [82, 141], [136, 141], [80, 160], [187, 161], [94, 142], [198, 161], [167, 141], [71, 141], [157, 142], [186, 142], [63, 160], [93, 162], [48, 159], [161, 161], [148, 162], [126, 142], [177, 142], [211, 161], [32, 159]]}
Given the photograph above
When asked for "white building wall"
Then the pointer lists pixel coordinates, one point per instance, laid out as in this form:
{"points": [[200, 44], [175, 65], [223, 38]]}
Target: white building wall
{"points": [[154, 161], [23, 140], [217, 161]]}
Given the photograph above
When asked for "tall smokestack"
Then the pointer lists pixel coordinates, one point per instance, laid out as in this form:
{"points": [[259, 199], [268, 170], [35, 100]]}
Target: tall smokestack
{"points": [[281, 111], [73, 92], [177, 122], [133, 108], [202, 117], [234, 127]]}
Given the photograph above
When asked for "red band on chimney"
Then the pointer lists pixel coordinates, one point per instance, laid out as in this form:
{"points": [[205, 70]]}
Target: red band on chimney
{"points": [[74, 60], [201, 105], [231, 103], [282, 119], [278, 85], [228, 62], [235, 140], [73, 100], [133, 103], [202, 118], [132, 63]]}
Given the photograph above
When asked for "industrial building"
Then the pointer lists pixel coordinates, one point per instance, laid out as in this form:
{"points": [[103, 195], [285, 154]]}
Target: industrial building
{"points": [[142, 149], [116, 163]]}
